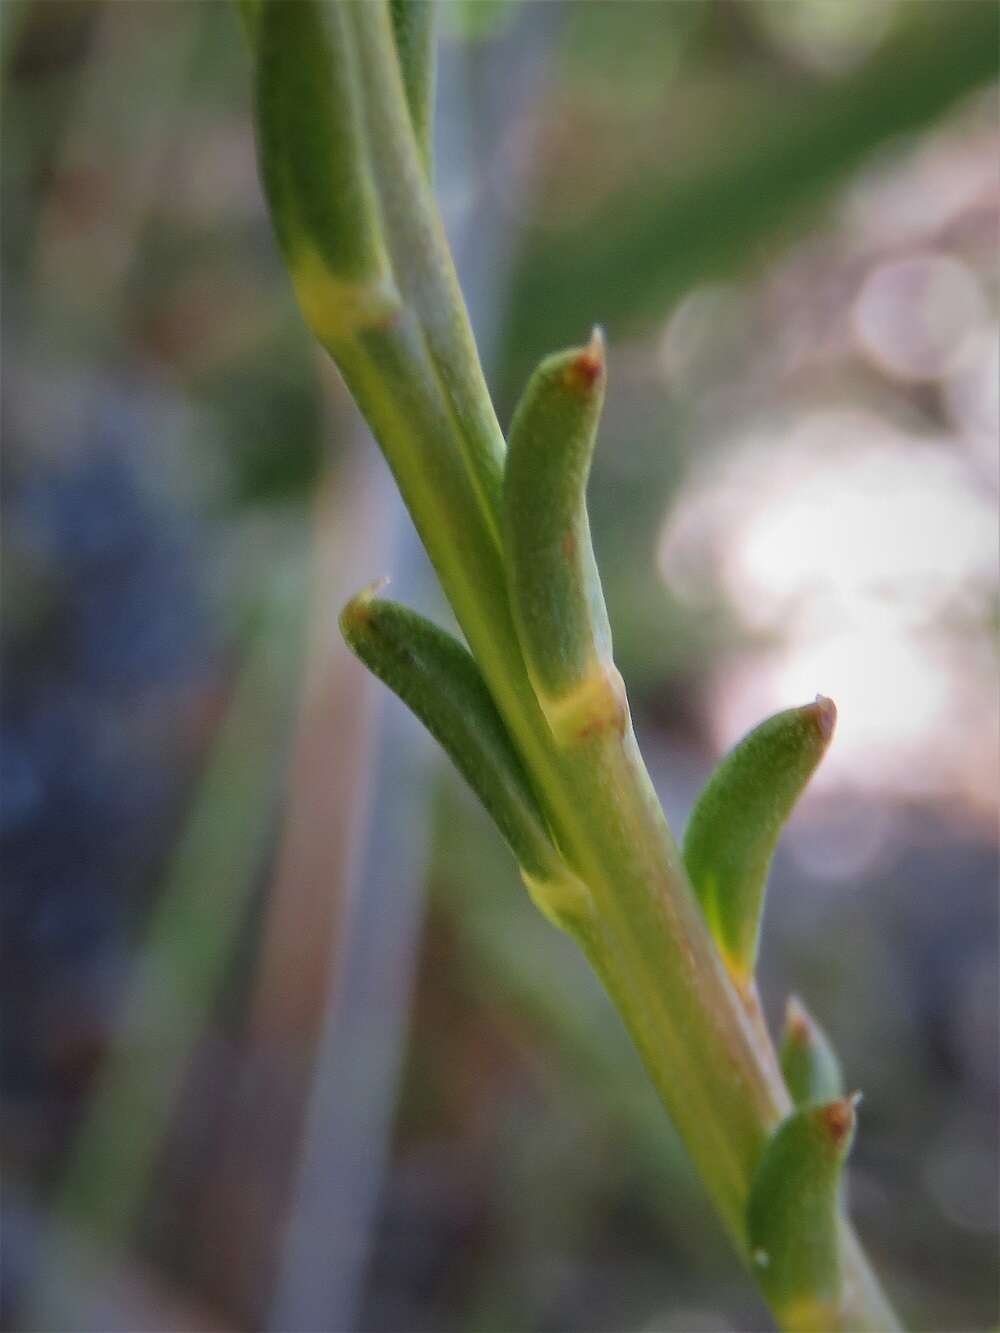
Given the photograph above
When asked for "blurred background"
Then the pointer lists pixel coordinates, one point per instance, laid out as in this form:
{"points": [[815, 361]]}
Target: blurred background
{"points": [[284, 1045]]}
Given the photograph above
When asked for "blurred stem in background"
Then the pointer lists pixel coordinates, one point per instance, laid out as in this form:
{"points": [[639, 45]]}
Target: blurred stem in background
{"points": [[359, 1004], [306, 936], [186, 953]]}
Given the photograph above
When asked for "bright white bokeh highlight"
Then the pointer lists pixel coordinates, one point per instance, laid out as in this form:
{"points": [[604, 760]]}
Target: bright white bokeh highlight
{"points": [[863, 561], [917, 317]]}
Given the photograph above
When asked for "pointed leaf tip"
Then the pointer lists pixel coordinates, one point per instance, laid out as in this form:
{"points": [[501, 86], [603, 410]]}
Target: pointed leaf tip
{"points": [[588, 365], [738, 818], [799, 1024], [356, 614], [825, 713], [839, 1118], [809, 1063]]}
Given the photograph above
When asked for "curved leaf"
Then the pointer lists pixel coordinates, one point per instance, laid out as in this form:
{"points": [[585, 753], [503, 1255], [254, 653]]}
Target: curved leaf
{"points": [[440, 682], [793, 1215], [738, 818], [555, 589]]}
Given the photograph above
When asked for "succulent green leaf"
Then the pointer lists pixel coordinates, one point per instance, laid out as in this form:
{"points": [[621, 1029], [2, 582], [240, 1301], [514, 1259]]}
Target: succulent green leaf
{"points": [[438, 679], [793, 1215], [314, 165], [808, 1061], [413, 23], [555, 590], [738, 818]]}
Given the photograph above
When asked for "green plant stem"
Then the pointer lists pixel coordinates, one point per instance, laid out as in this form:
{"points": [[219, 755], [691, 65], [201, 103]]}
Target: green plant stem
{"points": [[605, 815], [417, 378], [685, 1016]]}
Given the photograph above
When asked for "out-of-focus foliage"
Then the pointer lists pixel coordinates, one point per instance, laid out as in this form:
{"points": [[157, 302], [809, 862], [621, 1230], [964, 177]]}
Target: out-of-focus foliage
{"points": [[696, 186], [789, 226]]}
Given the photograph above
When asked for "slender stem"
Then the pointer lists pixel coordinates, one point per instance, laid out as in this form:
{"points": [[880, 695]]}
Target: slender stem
{"points": [[417, 378]]}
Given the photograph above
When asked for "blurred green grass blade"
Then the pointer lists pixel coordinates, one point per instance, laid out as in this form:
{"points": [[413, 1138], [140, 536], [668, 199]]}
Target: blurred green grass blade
{"points": [[440, 682], [809, 1063], [738, 818], [413, 24], [793, 1215], [14, 16], [249, 12], [650, 244], [190, 937], [477, 20]]}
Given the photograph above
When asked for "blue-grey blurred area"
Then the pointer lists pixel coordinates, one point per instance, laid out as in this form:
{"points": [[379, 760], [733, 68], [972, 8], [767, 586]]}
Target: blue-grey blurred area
{"points": [[785, 215]]}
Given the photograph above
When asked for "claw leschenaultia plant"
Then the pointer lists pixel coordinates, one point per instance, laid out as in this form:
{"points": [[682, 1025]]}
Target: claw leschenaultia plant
{"points": [[533, 711]]}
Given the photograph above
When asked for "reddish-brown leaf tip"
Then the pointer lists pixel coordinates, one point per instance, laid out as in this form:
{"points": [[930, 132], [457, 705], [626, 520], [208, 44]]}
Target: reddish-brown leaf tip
{"points": [[839, 1118], [357, 614], [798, 1024], [824, 714], [587, 367]]}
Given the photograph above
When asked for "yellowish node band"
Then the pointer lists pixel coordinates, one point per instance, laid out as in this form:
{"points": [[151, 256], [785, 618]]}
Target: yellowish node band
{"points": [[596, 704], [334, 308], [563, 899]]}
